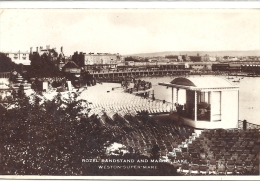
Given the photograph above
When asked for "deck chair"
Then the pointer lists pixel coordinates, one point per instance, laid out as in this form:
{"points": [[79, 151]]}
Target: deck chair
{"points": [[221, 161], [243, 157], [204, 169], [251, 156], [178, 155], [212, 162], [239, 163], [221, 169], [249, 169], [227, 156], [230, 162], [202, 155], [230, 169], [255, 150], [248, 162], [210, 155], [204, 162], [177, 165], [194, 169], [184, 149], [191, 150], [239, 152], [218, 156], [246, 151], [240, 170], [212, 169], [186, 156], [195, 160], [256, 169], [185, 168], [234, 156], [194, 155]]}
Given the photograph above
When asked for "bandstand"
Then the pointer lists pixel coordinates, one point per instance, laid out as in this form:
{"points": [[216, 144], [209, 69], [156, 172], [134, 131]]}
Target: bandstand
{"points": [[209, 102]]}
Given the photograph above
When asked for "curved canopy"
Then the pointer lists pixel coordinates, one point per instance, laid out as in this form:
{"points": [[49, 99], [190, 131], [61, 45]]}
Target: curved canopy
{"points": [[197, 82], [182, 81]]}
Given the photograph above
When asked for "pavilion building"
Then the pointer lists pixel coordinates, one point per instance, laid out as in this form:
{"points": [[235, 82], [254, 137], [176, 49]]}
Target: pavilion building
{"points": [[209, 102]]}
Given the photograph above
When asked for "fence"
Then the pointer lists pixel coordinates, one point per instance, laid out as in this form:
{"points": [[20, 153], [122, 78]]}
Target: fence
{"points": [[247, 125]]}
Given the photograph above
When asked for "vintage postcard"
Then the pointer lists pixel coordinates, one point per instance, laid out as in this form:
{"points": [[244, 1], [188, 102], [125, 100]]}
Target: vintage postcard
{"points": [[125, 93]]}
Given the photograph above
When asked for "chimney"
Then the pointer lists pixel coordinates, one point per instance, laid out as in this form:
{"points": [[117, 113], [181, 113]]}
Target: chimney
{"points": [[30, 50], [61, 49], [37, 49], [47, 47]]}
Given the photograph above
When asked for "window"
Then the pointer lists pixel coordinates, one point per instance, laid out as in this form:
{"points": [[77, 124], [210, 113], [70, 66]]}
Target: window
{"points": [[202, 97]]}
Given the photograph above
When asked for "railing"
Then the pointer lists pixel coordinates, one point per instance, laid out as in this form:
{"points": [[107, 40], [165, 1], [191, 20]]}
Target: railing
{"points": [[248, 125]]}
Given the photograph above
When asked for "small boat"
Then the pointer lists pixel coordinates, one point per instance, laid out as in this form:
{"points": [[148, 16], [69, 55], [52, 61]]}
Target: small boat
{"points": [[236, 80], [230, 77]]}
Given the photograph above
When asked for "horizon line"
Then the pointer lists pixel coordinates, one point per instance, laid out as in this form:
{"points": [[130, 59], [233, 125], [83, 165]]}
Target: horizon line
{"points": [[193, 51]]}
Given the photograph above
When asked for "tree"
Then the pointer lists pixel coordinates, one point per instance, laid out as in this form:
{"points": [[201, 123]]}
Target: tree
{"points": [[43, 66], [54, 134], [131, 59], [6, 63], [78, 58]]}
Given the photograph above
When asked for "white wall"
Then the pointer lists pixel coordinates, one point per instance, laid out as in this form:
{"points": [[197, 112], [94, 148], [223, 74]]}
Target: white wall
{"points": [[216, 106], [229, 108]]}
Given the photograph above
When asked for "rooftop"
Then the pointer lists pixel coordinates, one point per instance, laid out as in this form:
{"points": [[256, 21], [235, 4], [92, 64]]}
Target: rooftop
{"points": [[198, 83], [71, 64]]}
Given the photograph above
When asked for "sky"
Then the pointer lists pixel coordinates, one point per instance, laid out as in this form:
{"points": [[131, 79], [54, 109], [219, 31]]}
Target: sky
{"points": [[130, 31]]}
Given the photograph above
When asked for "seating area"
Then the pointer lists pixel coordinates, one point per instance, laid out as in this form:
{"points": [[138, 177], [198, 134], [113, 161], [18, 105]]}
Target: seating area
{"points": [[211, 152], [167, 137], [221, 152], [142, 135], [207, 152], [117, 100]]}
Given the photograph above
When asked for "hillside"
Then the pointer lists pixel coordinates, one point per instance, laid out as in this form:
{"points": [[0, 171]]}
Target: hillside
{"points": [[211, 53]]}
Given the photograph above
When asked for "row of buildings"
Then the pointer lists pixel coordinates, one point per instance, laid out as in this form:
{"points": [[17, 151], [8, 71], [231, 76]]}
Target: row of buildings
{"points": [[21, 57], [99, 61], [203, 58], [108, 58]]}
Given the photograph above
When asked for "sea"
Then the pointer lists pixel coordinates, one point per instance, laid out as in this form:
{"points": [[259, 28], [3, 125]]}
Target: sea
{"points": [[249, 95]]}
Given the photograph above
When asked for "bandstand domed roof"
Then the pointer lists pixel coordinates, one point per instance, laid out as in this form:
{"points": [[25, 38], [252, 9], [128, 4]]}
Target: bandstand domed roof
{"points": [[197, 82], [202, 82]]}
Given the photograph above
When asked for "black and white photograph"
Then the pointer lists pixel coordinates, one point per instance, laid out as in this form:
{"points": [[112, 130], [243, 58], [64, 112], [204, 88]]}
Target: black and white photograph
{"points": [[129, 92]]}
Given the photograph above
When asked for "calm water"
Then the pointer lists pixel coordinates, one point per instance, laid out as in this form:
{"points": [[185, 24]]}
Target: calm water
{"points": [[249, 92]]}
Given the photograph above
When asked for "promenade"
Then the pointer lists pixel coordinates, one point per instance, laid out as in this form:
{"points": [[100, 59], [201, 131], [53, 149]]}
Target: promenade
{"points": [[138, 73]]}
